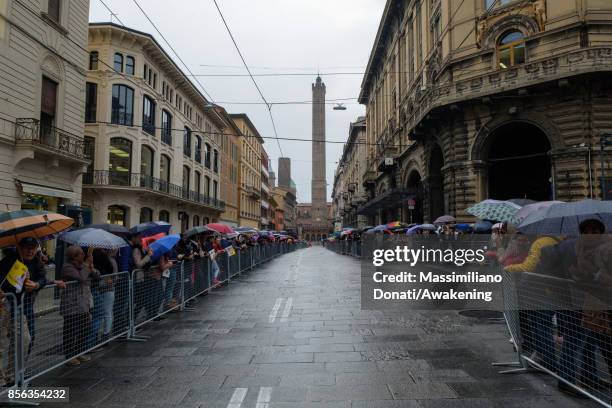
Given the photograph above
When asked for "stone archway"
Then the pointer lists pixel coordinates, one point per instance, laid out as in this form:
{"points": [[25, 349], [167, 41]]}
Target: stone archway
{"points": [[516, 161], [414, 185], [435, 183]]}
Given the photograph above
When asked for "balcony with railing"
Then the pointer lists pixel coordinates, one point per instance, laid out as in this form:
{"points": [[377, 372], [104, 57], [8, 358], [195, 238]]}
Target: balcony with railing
{"points": [[253, 192], [131, 181], [49, 140]]}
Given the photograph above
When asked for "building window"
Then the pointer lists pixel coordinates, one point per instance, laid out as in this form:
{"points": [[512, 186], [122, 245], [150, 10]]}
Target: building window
{"points": [[89, 151], [184, 222], [117, 214], [164, 172], [53, 10], [118, 62], [216, 161], [187, 142], [206, 220], [123, 105], [146, 164], [511, 49], [215, 189], [91, 102], [48, 105], [186, 174], [145, 72], [93, 60], [198, 149], [198, 183], [148, 115], [196, 220], [120, 161], [154, 80], [166, 128], [164, 216], [207, 155], [129, 65], [146, 214], [490, 4], [207, 186]]}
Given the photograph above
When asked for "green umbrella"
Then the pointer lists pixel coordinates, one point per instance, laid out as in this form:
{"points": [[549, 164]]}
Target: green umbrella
{"points": [[496, 210]]}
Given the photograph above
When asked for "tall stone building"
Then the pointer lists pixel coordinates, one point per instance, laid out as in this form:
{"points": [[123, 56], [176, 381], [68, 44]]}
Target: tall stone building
{"points": [[43, 61], [151, 137], [314, 221], [486, 99], [284, 172]]}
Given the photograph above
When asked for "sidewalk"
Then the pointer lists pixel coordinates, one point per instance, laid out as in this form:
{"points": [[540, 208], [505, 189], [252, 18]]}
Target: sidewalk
{"points": [[292, 335]]}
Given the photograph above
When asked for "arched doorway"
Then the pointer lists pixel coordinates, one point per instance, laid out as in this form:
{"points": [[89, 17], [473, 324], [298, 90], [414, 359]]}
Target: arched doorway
{"points": [[413, 204], [518, 163], [436, 183], [117, 214]]}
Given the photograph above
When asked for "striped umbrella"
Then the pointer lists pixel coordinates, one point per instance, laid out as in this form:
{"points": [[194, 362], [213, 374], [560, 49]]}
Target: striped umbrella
{"points": [[93, 238], [16, 225], [495, 210]]}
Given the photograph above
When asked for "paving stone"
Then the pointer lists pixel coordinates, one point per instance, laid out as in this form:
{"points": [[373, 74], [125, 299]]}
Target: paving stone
{"points": [[422, 391], [337, 356], [348, 392]]}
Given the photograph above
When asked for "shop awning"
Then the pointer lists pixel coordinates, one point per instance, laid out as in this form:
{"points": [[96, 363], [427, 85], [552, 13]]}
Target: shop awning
{"points": [[390, 199], [38, 189]]}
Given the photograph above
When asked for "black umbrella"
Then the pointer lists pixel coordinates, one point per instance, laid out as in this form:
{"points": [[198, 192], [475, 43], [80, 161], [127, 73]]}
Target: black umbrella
{"points": [[146, 229], [112, 228]]}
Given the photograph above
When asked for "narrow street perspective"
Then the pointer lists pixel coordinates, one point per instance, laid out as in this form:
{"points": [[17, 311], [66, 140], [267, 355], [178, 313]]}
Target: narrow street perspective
{"points": [[292, 334]]}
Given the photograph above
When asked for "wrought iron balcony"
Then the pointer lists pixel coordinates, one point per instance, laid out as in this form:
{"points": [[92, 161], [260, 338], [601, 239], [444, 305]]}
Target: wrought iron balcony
{"points": [[49, 140], [253, 192], [131, 181]]}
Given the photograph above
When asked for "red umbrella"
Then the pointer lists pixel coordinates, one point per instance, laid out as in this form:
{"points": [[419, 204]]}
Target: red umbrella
{"points": [[220, 228]]}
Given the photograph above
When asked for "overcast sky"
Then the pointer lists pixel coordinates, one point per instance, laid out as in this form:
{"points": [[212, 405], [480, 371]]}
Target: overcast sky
{"points": [[275, 36]]}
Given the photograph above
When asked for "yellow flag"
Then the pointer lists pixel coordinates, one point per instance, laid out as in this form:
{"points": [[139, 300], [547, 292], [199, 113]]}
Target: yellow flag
{"points": [[17, 275]]}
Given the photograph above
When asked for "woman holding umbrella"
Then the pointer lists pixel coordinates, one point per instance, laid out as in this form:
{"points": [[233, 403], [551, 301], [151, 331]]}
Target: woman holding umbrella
{"points": [[75, 306]]}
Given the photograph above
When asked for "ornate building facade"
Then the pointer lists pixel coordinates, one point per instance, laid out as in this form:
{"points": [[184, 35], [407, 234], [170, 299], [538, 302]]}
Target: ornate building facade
{"points": [[151, 137], [348, 193], [486, 99]]}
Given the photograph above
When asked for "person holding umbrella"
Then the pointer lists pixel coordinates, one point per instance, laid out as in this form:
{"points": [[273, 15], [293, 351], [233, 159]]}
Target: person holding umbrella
{"points": [[35, 280], [75, 303]]}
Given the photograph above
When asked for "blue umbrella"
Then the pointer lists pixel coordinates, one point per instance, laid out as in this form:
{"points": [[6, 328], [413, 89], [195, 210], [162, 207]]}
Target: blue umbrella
{"points": [[463, 227], [163, 245], [146, 229], [93, 238], [483, 227], [565, 218]]}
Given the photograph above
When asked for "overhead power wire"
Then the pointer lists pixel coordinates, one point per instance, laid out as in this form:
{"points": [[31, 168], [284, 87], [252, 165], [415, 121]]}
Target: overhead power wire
{"points": [[174, 51], [246, 66]]}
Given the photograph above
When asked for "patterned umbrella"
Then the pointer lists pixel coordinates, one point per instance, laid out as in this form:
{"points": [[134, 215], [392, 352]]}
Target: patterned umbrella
{"points": [[15, 225], [564, 218], [495, 210], [445, 219], [93, 238]]}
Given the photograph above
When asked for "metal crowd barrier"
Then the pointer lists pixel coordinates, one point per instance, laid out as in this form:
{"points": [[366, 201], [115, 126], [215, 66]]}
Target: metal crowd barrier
{"points": [[561, 330], [39, 336]]}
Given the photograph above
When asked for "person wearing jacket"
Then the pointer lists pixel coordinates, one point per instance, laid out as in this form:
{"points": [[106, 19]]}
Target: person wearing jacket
{"points": [[35, 280], [535, 322], [75, 303]]}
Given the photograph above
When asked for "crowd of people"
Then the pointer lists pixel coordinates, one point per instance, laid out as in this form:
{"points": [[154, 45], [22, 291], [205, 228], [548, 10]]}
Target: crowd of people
{"points": [[93, 294], [562, 284]]}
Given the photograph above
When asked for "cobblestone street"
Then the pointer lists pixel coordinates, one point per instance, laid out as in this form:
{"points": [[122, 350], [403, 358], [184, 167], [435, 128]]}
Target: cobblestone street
{"points": [[292, 334]]}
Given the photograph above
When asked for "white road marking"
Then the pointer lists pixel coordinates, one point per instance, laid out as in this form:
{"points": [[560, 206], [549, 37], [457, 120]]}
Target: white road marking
{"points": [[275, 309], [263, 399], [287, 310], [237, 398]]}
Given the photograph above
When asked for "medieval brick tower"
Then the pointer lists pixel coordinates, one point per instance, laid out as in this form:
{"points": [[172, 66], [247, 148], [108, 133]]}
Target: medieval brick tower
{"points": [[319, 181]]}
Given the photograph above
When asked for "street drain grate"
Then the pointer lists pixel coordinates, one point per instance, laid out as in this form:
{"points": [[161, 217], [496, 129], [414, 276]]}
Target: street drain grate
{"points": [[482, 314]]}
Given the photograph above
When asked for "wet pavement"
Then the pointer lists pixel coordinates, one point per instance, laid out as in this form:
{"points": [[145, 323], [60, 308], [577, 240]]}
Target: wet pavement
{"points": [[292, 334]]}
